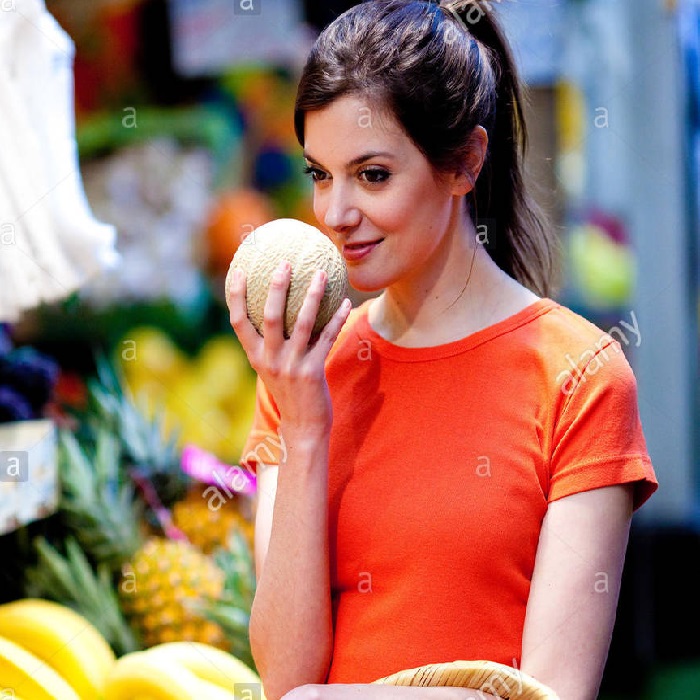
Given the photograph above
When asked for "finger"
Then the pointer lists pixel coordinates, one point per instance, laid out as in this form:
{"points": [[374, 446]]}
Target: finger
{"points": [[330, 333], [275, 304], [238, 314], [306, 318]]}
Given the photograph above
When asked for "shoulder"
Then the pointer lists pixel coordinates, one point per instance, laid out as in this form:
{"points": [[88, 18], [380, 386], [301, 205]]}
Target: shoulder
{"points": [[564, 344], [567, 329], [350, 335]]}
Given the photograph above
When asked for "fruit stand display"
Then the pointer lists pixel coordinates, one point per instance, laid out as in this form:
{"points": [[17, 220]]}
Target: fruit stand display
{"points": [[140, 583], [126, 535]]}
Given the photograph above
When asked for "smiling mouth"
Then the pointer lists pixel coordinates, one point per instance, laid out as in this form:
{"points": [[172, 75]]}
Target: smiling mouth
{"points": [[356, 251], [357, 246]]}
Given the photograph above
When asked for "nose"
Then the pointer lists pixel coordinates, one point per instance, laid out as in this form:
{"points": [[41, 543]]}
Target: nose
{"points": [[337, 208]]}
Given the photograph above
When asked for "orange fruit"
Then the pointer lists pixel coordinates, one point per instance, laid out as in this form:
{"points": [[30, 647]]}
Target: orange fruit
{"points": [[233, 215]]}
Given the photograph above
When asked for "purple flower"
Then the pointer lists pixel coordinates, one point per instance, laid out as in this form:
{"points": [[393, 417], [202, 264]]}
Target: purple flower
{"points": [[13, 406], [5, 341], [31, 374]]}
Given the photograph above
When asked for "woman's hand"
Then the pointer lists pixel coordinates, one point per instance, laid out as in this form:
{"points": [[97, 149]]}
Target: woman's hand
{"points": [[292, 369], [371, 691]]}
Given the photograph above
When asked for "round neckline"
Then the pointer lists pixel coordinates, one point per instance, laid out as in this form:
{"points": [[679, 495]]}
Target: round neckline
{"points": [[435, 352]]}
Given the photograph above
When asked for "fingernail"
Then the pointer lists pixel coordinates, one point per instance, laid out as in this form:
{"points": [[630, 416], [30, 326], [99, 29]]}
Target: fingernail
{"points": [[280, 272]]}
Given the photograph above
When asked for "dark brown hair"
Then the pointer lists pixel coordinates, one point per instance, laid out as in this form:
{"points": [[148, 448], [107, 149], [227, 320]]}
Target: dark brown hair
{"points": [[441, 70]]}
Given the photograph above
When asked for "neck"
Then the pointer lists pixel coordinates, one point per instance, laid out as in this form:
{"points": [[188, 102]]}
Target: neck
{"points": [[459, 291]]}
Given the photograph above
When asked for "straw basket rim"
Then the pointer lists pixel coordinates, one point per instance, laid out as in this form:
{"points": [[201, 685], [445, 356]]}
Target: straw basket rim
{"points": [[488, 676]]}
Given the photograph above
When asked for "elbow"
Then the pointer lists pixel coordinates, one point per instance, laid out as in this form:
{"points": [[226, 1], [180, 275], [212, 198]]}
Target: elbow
{"points": [[281, 669]]}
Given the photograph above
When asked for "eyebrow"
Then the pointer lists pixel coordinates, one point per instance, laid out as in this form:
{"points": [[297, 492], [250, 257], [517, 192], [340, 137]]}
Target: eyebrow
{"points": [[356, 161]]}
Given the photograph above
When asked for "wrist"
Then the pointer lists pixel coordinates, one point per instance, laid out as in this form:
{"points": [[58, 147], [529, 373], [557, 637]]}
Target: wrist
{"points": [[303, 439]]}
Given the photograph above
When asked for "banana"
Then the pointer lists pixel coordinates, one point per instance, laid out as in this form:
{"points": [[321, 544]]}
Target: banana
{"points": [[138, 675], [212, 665], [63, 639], [211, 691], [22, 672]]}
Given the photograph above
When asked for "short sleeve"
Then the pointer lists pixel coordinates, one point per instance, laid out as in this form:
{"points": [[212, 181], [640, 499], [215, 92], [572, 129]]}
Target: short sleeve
{"points": [[264, 444], [598, 439]]}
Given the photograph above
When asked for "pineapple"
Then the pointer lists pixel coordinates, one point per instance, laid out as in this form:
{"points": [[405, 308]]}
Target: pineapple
{"points": [[208, 522], [163, 584], [161, 588]]}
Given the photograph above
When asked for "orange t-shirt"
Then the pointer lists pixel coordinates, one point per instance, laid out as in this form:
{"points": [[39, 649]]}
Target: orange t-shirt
{"points": [[442, 462]]}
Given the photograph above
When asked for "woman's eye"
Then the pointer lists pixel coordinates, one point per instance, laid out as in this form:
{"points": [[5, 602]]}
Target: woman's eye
{"points": [[316, 174], [375, 175]]}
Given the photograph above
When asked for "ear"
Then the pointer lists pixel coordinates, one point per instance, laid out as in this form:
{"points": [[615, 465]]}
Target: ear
{"points": [[465, 180]]}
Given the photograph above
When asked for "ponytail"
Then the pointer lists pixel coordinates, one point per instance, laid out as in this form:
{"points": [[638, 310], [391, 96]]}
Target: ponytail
{"points": [[524, 244], [442, 70]]}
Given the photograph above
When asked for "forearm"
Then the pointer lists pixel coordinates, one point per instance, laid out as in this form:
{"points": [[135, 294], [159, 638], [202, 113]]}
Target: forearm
{"points": [[291, 628], [385, 692]]}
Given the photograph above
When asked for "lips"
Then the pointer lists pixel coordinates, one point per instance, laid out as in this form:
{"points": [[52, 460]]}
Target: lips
{"points": [[356, 251]]}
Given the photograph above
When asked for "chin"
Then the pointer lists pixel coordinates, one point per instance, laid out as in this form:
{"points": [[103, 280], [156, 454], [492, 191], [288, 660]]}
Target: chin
{"points": [[366, 284]]}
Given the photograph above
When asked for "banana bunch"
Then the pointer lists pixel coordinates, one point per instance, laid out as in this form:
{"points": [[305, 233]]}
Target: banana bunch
{"points": [[182, 671], [50, 652]]}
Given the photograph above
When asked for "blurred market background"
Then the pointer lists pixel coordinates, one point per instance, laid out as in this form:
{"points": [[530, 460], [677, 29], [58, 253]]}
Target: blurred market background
{"points": [[183, 142]]}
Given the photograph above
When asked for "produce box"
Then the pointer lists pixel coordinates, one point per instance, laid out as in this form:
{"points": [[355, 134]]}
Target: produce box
{"points": [[29, 487]]}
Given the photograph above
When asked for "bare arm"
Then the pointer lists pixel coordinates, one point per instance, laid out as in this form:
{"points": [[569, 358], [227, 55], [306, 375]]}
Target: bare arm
{"points": [[575, 588], [291, 630], [369, 691]]}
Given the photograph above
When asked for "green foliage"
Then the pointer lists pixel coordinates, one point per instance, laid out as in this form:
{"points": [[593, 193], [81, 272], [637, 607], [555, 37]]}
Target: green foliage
{"points": [[231, 611], [98, 503], [143, 441], [69, 579]]}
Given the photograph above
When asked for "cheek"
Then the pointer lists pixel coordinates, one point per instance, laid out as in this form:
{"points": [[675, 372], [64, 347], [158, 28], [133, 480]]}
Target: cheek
{"points": [[395, 210], [316, 204]]}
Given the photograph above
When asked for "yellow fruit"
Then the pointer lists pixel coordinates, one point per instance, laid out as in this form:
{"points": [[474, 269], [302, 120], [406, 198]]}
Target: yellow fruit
{"points": [[22, 672], [223, 355], [149, 351], [161, 587], [211, 691], [208, 663], [307, 250], [63, 639], [137, 675], [209, 527]]}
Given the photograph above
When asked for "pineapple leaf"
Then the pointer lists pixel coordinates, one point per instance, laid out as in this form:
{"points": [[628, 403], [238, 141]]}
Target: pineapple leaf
{"points": [[71, 581], [143, 439], [231, 610], [77, 479], [51, 574], [103, 514], [107, 453], [108, 375]]}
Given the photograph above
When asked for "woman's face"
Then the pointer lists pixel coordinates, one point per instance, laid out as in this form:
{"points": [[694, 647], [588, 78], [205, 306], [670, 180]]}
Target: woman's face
{"points": [[375, 194]]}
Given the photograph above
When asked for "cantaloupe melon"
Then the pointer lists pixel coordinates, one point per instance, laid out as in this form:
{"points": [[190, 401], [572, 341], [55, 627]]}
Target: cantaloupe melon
{"points": [[307, 250]]}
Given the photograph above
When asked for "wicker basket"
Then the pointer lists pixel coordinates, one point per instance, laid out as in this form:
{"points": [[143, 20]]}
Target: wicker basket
{"points": [[486, 676]]}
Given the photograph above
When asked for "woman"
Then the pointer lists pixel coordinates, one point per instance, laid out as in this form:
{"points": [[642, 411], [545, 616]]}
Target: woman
{"points": [[444, 485]]}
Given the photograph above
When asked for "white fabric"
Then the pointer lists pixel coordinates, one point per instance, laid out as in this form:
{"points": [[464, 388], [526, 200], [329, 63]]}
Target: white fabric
{"points": [[50, 242]]}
